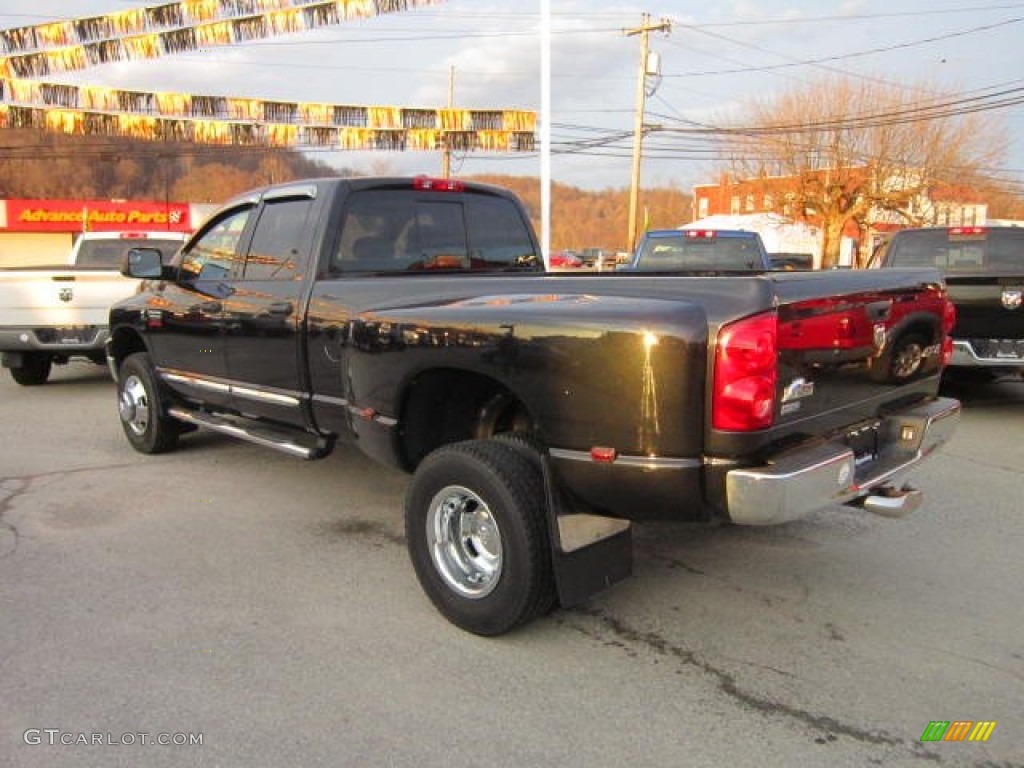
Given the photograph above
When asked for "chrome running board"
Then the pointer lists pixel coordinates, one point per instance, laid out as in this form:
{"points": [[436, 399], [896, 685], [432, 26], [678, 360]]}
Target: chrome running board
{"points": [[292, 442]]}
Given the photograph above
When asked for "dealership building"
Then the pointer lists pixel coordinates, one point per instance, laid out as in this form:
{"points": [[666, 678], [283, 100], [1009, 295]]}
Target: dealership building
{"points": [[41, 232]]}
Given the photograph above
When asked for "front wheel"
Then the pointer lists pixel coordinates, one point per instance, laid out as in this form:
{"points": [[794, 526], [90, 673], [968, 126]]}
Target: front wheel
{"points": [[141, 407], [476, 529], [34, 369]]}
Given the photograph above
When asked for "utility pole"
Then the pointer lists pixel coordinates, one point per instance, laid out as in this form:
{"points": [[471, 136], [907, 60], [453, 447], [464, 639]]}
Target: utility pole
{"points": [[446, 159], [638, 128]]}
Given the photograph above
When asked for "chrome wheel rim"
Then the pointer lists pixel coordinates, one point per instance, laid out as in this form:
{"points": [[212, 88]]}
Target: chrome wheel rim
{"points": [[908, 360], [134, 405], [464, 542]]}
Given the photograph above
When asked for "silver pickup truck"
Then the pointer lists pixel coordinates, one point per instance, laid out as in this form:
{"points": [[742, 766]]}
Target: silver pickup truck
{"points": [[49, 315]]}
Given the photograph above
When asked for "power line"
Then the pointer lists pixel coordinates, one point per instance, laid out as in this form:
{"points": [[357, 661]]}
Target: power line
{"points": [[837, 57], [847, 17], [951, 107]]}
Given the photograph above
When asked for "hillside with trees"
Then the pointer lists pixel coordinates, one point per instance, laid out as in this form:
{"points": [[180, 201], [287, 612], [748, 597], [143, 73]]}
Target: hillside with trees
{"points": [[43, 165], [597, 219]]}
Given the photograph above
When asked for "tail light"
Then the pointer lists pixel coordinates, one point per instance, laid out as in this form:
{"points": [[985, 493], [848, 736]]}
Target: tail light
{"points": [[948, 321], [743, 393]]}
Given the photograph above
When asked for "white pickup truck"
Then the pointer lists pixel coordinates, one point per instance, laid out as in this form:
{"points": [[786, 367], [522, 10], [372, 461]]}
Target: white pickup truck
{"points": [[50, 314]]}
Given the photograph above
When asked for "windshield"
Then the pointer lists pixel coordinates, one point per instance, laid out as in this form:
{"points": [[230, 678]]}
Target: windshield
{"points": [[989, 250], [700, 254], [110, 253]]}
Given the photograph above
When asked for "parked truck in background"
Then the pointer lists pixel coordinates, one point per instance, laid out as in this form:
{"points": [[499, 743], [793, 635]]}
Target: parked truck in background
{"points": [[49, 315], [700, 250], [538, 413], [983, 268]]}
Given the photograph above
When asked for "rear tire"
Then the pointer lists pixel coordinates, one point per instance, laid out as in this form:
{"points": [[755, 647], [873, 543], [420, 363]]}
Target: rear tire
{"points": [[476, 529], [141, 407], [34, 370], [903, 361]]}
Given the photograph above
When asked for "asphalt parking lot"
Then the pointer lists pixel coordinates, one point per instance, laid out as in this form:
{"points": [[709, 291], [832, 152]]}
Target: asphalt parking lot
{"points": [[266, 607]]}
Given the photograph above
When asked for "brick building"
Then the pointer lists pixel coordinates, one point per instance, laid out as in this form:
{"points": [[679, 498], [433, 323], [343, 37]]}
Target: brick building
{"points": [[940, 205]]}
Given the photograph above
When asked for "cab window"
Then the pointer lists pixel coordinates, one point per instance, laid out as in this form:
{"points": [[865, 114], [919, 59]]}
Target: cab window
{"points": [[399, 231], [498, 234], [211, 259], [279, 241]]}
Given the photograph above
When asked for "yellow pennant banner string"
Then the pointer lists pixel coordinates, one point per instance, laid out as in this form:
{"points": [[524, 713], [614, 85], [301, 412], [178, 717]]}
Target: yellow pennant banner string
{"points": [[296, 134], [28, 54], [179, 27]]}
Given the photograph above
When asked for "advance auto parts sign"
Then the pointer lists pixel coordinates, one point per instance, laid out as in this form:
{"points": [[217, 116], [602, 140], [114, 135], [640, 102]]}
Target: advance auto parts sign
{"points": [[92, 216]]}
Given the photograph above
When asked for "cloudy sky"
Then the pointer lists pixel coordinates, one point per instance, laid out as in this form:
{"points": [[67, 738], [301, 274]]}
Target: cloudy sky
{"points": [[717, 58]]}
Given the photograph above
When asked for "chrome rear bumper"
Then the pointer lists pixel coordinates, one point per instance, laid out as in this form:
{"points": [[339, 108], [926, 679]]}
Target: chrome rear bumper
{"points": [[964, 355], [56, 339], [806, 479]]}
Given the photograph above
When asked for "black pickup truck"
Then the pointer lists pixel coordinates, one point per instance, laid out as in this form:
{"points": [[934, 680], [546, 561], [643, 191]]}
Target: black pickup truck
{"points": [[538, 413], [984, 271]]}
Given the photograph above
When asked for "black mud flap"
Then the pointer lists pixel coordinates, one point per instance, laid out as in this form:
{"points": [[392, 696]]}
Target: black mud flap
{"points": [[589, 552]]}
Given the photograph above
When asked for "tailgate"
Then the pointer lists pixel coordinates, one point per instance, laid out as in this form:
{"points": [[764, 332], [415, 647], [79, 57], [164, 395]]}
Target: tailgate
{"points": [[850, 347], [989, 307], [60, 298]]}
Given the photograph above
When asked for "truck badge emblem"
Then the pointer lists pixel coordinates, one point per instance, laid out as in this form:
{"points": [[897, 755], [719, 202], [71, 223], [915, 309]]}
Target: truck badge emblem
{"points": [[797, 388], [879, 336], [67, 294], [1012, 298]]}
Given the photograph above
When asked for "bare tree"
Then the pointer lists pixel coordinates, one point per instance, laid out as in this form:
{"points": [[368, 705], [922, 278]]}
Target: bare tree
{"points": [[860, 150]]}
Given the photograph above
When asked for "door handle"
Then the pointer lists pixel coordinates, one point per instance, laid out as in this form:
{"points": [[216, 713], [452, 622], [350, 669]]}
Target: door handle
{"points": [[281, 308]]}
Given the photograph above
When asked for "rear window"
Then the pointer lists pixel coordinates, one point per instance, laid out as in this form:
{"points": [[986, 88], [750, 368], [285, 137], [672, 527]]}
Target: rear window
{"points": [[700, 254], [110, 253], [407, 231], [988, 250]]}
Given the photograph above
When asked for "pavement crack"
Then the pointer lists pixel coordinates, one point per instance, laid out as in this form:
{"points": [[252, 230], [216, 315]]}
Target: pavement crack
{"points": [[973, 660], [625, 636], [14, 488], [674, 563], [11, 489]]}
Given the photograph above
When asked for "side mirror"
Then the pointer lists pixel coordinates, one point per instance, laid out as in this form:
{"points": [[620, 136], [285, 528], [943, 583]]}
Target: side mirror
{"points": [[144, 263]]}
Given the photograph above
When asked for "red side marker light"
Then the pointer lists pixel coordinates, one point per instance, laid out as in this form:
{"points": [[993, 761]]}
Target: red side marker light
{"points": [[602, 454]]}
